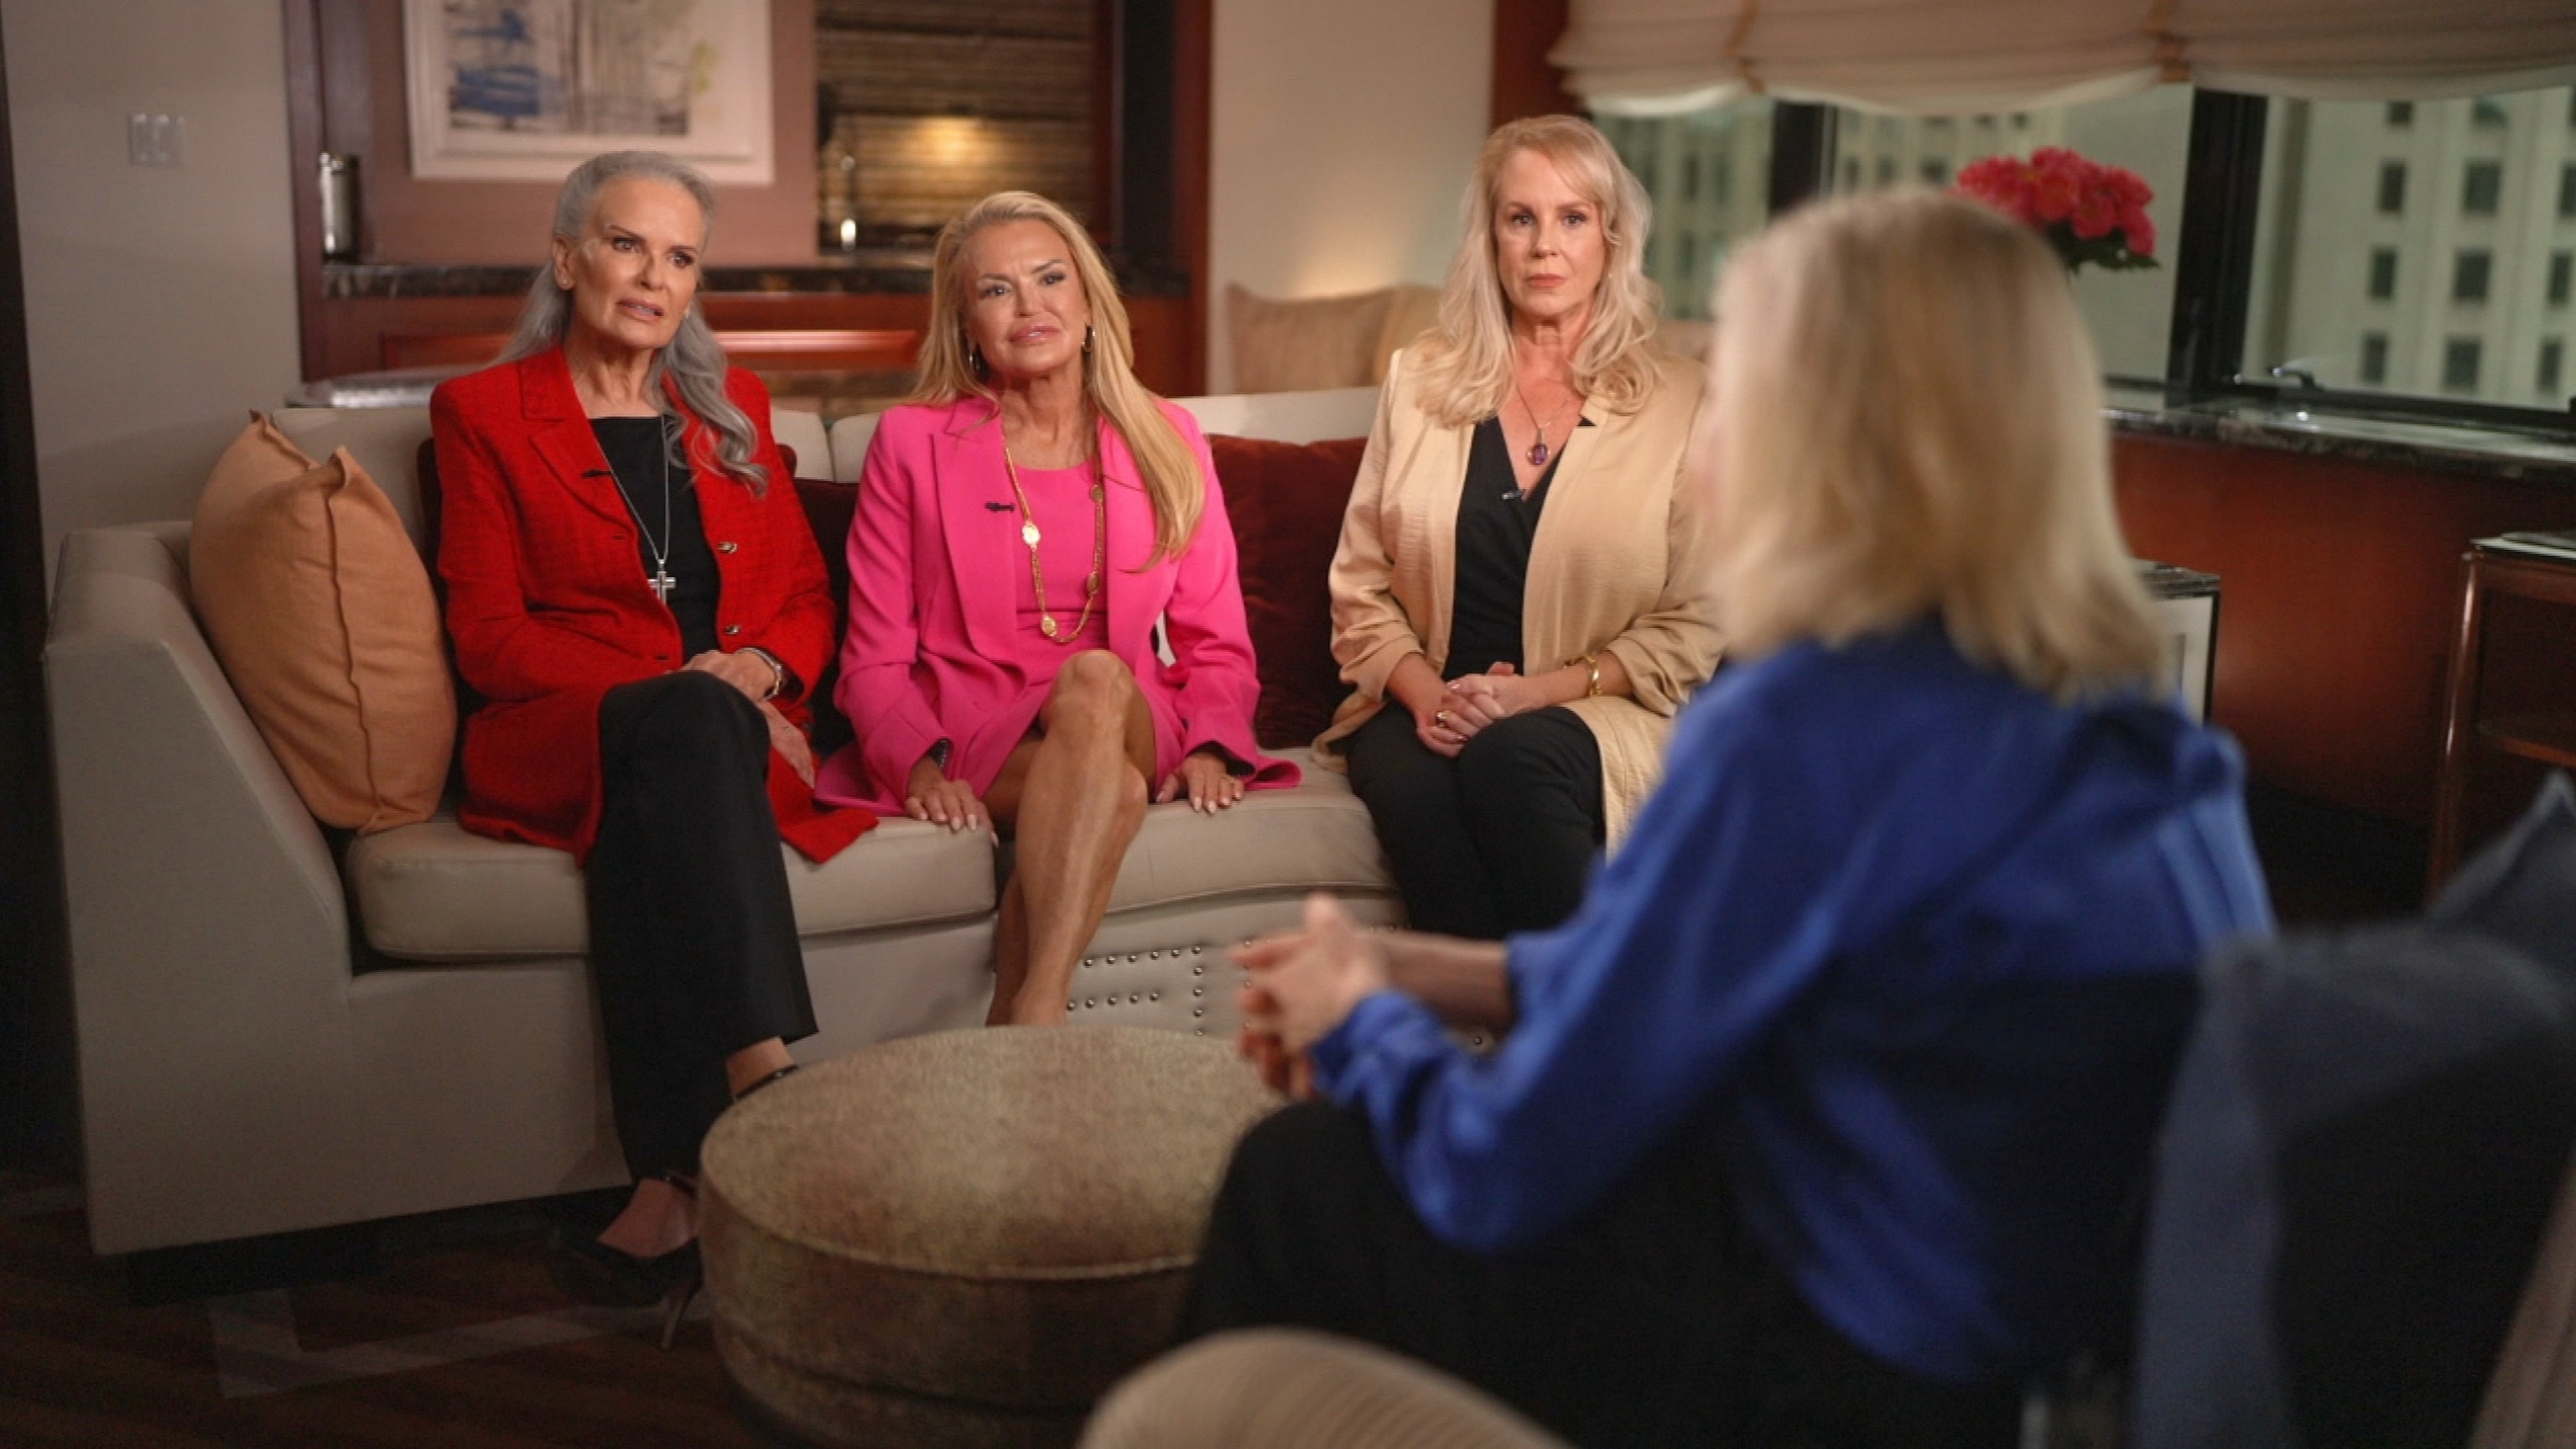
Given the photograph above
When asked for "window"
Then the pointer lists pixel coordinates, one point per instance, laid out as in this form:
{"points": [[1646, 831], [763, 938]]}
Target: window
{"points": [[2482, 184], [1697, 220], [2486, 113], [2456, 295], [2130, 313], [2460, 364], [2401, 113], [2383, 273], [2469, 273], [2552, 353], [2567, 191]]}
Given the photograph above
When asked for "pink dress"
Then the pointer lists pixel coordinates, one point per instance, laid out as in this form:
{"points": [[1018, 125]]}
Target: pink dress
{"points": [[1060, 502]]}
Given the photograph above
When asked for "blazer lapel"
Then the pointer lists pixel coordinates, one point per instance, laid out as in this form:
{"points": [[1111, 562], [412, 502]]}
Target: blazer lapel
{"points": [[1438, 464], [1571, 506], [563, 437], [980, 518], [1135, 599]]}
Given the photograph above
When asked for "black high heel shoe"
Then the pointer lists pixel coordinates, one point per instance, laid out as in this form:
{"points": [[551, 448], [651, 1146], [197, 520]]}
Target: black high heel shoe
{"points": [[587, 1270]]}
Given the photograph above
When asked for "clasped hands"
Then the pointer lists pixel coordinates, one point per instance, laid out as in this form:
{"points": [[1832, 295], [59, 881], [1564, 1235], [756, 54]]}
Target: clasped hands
{"points": [[1473, 702], [752, 675], [1303, 985]]}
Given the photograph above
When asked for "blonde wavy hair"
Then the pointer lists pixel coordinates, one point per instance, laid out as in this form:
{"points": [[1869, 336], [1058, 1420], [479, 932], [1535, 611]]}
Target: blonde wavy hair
{"points": [[1465, 364], [950, 368], [1905, 418]]}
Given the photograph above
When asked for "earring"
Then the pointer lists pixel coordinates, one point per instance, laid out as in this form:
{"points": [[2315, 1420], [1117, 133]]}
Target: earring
{"points": [[1086, 339], [975, 358]]}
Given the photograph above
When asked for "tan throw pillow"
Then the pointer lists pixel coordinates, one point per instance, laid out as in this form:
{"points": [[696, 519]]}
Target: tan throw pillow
{"points": [[320, 609], [1412, 310], [1309, 342]]}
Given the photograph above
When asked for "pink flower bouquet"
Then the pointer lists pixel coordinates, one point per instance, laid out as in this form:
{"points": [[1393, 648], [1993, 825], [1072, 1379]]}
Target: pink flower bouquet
{"points": [[2088, 211]]}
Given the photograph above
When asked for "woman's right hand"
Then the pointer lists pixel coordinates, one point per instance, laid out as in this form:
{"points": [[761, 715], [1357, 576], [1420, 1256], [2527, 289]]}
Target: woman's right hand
{"points": [[789, 742], [930, 795]]}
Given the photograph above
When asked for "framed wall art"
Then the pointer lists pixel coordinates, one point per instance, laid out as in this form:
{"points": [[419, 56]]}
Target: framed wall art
{"points": [[523, 90]]}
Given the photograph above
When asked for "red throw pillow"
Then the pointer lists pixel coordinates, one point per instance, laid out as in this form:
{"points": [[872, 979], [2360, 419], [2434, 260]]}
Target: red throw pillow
{"points": [[1286, 501]]}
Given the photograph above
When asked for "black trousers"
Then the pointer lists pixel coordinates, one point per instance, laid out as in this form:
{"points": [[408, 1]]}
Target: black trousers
{"points": [[692, 936], [1655, 1321], [1497, 840]]}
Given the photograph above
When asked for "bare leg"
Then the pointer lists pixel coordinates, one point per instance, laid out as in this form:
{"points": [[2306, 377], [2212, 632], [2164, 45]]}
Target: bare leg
{"points": [[660, 1217], [1010, 951], [1073, 814]]}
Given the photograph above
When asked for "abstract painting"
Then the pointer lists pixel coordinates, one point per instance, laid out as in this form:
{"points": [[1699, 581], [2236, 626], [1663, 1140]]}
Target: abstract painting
{"points": [[523, 90]]}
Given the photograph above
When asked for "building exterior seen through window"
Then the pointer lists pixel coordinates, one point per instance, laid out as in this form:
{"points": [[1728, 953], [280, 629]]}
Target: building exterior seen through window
{"points": [[1709, 172], [2420, 248]]}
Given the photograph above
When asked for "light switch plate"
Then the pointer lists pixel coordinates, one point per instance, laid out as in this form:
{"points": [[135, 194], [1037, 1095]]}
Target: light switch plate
{"points": [[152, 138]]}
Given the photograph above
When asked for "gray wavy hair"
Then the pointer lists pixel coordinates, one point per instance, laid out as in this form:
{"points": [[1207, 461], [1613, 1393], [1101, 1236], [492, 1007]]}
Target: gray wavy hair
{"points": [[693, 362]]}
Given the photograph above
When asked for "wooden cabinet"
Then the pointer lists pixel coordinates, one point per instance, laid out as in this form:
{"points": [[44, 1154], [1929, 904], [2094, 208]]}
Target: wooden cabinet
{"points": [[2510, 713]]}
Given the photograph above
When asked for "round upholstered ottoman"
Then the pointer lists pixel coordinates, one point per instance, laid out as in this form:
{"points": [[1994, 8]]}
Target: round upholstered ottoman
{"points": [[964, 1239]]}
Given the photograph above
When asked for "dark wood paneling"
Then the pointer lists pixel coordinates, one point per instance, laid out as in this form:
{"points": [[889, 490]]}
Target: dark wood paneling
{"points": [[36, 1075], [2339, 592], [1193, 49], [1524, 83]]}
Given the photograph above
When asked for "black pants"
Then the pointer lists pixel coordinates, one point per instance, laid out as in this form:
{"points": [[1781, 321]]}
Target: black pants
{"points": [[692, 936], [1655, 1321], [1497, 840]]}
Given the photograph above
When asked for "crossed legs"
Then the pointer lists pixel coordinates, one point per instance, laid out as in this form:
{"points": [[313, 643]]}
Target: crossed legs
{"points": [[1072, 797]]}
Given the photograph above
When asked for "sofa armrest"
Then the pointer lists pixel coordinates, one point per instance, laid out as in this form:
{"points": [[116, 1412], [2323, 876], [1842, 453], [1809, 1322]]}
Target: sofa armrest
{"points": [[210, 956]]}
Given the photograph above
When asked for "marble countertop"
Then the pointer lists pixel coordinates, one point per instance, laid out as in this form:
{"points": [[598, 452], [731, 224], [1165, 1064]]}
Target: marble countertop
{"points": [[2284, 426]]}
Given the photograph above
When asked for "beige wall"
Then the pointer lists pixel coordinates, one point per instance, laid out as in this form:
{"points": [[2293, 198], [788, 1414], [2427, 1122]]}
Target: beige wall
{"points": [[1342, 135], [160, 302]]}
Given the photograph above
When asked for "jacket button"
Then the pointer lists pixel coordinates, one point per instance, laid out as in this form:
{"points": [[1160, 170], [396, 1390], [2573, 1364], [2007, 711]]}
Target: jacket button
{"points": [[733, 628], [728, 546], [661, 658]]}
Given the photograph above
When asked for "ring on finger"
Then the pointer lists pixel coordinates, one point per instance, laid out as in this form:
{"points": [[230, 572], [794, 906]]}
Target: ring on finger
{"points": [[1440, 717]]}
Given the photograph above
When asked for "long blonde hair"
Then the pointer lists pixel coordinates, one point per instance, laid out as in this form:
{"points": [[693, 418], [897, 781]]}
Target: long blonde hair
{"points": [[1466, 363], [949, 369], [1907, 419]]}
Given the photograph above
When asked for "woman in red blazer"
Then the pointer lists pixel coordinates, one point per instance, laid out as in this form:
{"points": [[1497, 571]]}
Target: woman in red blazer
{"points": [[635, 597], [1022, 526]]}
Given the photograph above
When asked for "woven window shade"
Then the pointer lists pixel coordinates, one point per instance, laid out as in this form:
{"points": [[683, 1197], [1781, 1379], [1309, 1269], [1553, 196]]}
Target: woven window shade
{"points": [[1952, 56]]}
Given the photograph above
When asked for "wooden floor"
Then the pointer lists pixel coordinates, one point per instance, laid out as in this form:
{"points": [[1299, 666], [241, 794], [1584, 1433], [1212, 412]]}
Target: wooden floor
{"points": [[458, 1343]]}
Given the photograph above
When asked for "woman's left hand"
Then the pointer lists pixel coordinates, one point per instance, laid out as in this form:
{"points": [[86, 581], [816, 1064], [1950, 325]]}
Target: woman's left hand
{"points": [[747, 672], [1304, 984], [789, 742], [1210, 785]]}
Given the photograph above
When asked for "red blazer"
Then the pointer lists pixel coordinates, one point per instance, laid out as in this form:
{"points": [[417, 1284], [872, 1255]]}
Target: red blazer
{"points": [[548, 609]]}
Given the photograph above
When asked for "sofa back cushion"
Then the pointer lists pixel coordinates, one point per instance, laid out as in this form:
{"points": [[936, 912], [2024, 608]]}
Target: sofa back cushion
{"points": [[1286, 502], [316, 601]]}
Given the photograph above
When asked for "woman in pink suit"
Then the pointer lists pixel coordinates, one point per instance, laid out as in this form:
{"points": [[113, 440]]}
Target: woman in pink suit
{"points": [[1022, 525]]}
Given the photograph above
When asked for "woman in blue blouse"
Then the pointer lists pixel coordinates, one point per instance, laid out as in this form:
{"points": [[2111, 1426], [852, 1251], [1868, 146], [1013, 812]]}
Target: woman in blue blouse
{"points": [[1817, 1122]]}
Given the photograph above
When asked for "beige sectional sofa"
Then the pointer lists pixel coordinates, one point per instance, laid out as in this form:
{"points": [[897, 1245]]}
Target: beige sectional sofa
{"points": [[281, 1027]]}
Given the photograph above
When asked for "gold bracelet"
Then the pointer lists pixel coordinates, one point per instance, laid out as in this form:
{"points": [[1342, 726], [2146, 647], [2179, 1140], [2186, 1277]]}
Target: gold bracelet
{"points": [[1591, 667]]}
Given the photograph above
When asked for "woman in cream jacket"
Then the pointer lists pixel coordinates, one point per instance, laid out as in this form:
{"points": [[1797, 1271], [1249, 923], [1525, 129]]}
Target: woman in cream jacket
{"points": [[1520, 598]]}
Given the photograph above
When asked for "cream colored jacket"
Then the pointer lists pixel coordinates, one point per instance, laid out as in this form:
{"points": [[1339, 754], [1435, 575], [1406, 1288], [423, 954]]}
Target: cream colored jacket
{"points": [[1620, 565]]}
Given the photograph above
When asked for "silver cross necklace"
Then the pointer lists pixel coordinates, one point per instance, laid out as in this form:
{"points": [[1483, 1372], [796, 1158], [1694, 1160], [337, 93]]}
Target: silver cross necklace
{"points": [[660, 580]]}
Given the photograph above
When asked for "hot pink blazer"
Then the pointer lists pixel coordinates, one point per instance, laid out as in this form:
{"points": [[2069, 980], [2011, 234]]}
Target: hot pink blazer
{"points": [[935, 555]]}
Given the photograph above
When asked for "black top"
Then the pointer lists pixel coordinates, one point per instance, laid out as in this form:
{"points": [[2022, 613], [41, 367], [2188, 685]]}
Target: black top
{"points": [[636, 448], [1496, 522]]}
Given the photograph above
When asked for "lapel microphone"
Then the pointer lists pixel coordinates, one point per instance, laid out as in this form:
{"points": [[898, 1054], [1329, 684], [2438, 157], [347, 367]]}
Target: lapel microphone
{"points": [[997, 508], [597, 473]]}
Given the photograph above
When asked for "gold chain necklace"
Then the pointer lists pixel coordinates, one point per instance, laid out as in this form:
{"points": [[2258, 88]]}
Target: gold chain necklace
{"points": [[1099, 547], [1538, 452]]}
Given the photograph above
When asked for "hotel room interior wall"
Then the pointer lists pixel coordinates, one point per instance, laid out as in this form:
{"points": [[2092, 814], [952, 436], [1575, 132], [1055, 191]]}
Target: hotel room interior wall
{"points": [[160, 300], [1342, 132]]}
